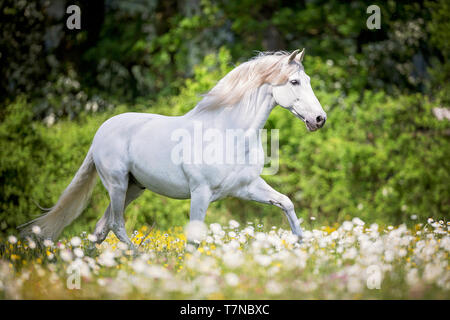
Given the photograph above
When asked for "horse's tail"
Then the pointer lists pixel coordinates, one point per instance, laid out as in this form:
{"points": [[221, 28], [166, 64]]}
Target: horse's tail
{"points": [[69, 206]]}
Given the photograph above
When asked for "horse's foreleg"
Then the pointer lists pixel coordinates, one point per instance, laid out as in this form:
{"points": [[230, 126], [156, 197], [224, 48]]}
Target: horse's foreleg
{"points": [[260, 191], [200, 200]]}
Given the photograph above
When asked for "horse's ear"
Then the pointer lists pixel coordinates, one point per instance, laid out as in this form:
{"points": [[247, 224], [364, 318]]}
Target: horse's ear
{"points": [[293, 55], [302, 54]]}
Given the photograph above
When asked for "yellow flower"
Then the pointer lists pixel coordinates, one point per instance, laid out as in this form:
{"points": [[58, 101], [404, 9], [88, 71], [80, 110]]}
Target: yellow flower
{"points": [[329, 230]]}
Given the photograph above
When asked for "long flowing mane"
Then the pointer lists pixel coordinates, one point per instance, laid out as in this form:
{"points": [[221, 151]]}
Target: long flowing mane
{"points": [[267, 67]]}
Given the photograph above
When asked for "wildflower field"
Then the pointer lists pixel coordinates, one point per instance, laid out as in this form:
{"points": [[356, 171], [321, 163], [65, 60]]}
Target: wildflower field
{"points": [[348, 261]]}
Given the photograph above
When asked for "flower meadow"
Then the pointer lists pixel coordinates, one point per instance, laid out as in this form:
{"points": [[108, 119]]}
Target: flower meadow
{"points": [[352, 260]]}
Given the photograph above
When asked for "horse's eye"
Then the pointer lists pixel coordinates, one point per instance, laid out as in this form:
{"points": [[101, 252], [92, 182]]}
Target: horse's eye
{"points": [[295, 82]]}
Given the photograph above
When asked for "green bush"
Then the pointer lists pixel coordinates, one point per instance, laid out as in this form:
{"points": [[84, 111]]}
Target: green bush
{"points": [[23, 152], [379, 157]]}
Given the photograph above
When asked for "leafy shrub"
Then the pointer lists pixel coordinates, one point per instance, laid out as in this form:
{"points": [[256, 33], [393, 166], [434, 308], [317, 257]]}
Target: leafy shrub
{"points": [[23, 152], [382, 159]]}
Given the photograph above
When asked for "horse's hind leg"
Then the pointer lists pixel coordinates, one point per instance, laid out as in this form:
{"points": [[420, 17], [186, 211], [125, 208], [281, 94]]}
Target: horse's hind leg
{"points": [[114, 177], [102, 226], [120, 198], [105, 224]]}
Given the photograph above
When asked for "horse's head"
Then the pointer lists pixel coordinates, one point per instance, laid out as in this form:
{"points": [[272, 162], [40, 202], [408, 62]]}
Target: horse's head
{"points": [[297, 96]]}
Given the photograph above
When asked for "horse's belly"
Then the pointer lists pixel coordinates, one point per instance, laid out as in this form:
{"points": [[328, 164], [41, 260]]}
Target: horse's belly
{"points": [[158, 174], [169, 185], [152, 166]]}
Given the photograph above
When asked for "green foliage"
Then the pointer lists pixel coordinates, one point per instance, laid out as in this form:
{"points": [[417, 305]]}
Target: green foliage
{"points": [[22, 58], [438, 28], [145, 49], [23, 152], [379, 157]]}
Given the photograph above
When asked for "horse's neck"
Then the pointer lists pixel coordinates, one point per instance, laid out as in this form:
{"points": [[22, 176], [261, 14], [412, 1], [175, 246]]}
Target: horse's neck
{"points": [[249, 113]]}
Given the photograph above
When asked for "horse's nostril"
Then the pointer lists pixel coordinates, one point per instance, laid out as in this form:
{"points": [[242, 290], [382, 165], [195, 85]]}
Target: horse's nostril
{"points": [[320, 121]]}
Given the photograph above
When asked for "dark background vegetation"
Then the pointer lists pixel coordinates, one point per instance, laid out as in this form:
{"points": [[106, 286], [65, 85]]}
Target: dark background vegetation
{"points": [[383, 155]]}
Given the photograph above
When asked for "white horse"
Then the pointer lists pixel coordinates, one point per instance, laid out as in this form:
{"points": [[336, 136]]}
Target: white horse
{"points": [[134, 151]]}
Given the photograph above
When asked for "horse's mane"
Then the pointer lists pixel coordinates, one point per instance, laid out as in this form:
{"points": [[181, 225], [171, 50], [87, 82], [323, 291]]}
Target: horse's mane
{"points": [[267, 67]]}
